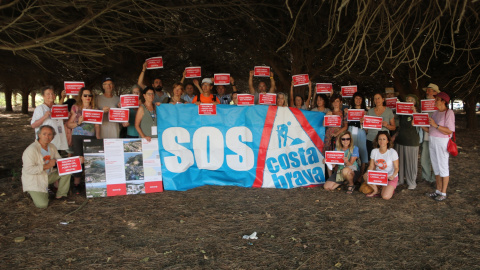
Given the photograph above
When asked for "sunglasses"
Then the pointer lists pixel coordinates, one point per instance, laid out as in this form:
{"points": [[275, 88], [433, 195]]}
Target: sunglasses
{"points": [[346, 139], [87, 95]]}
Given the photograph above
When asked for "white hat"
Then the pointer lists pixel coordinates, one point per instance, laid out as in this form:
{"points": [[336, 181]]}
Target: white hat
{"points": [[207, 80], [434, 87], [390, 90]]}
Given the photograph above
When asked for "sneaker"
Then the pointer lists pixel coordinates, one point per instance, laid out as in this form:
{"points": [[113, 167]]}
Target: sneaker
{"points": [[440, 198], [432, 195]]}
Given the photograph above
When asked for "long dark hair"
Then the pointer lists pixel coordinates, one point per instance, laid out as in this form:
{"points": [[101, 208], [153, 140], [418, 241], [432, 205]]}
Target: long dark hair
{"points": [[352, 102], [325, 101]]}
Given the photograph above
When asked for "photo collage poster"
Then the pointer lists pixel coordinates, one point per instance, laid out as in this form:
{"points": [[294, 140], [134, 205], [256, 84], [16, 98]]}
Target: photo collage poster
{"points": [[121, 167]]}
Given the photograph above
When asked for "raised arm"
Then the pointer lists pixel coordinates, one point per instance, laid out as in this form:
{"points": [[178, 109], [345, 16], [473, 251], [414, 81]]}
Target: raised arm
{"points": [[197, 84], [272, 83], [183, 76], [292, 98], [307, 102], [232, 83], [251, 89], [142, 75]]}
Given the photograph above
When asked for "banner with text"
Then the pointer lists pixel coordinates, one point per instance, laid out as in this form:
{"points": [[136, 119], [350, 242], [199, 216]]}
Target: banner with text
{"points": [[247, 146]]}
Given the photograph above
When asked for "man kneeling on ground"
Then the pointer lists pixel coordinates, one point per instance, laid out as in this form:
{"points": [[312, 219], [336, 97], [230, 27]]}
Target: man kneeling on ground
{"points": [[38, 161]]}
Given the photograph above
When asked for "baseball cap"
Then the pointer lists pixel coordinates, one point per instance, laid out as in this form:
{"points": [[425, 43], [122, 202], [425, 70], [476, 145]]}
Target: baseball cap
{"points": [[443, 96], [107, 79], [207, 80]]}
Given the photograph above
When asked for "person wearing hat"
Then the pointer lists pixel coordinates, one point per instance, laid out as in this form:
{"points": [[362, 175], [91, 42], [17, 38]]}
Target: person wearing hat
{"points": [[427, 172], [407, 142], [442, 125], [105, 102], [390, 92], [262, 86], [206, 96]]}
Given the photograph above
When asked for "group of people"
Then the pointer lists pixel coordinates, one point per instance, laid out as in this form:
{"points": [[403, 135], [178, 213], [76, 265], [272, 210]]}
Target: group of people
{"points": [[363, 148]]}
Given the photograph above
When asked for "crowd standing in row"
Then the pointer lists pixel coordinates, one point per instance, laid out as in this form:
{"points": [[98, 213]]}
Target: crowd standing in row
{"points": [[364, 149]]}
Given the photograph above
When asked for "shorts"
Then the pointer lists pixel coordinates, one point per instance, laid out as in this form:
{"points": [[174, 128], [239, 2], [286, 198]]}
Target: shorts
{"points": [[333, 177], [393, 183]]}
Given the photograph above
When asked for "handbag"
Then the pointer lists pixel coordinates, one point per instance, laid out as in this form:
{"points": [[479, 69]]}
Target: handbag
{"points": [[452, 146]]}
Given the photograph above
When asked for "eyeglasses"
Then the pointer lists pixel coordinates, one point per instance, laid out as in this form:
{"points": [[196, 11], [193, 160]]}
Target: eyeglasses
{"points": [[87, 95], [346, 139]]}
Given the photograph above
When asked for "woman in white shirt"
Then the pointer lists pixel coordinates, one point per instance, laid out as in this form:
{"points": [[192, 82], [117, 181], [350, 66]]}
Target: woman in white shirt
{"points": [[384, 159]]}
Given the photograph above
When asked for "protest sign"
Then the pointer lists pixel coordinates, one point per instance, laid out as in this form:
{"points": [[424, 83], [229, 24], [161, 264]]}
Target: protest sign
{"points": [[193, 72], [323, 88], [428, 105], [118, 115], [377, 178], [267, 99], [301, 79], [391, 103], [69, 165], [129, 101], [207, 109], [348, 91], [73, 88], [404, 108], [372, 122], [221, 79], [334, 157], [245, 99], [355, 114], [261, 71], [59, 112], [154, 62], [92, 116], [421, 120], [332, 120]]}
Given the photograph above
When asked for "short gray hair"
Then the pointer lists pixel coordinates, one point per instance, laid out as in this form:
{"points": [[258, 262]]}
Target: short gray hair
{"points": [[46, 126]]}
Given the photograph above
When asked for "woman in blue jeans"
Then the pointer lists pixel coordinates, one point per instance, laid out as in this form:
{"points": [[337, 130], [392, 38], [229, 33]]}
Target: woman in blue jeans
{"points": [[358, 134]]}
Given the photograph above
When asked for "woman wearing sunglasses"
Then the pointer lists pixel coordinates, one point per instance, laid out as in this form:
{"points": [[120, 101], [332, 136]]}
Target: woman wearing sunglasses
{"points": [[350, 170], [80, 130], [384, 159]]}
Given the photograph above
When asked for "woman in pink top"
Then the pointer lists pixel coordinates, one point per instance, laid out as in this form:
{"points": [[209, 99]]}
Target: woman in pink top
{"points": [[442, 125]]}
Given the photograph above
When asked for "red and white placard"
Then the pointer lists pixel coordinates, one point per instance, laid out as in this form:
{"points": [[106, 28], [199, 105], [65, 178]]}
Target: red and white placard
{"points": [[301, 79], [323, 88], [355, 114], [59, 112], [245, 99], [261, 71], [193, 72], [391, 103], [267, 99], [221, 79], [428, 105], [69, 165], [348, 91], [118, 115], [372, 122], [92, 116], [154, 62], [72, 88], [377, 178], [129, 101], [421, 120], [207, 109], [404, 108], [334, 157], [332, 121]]}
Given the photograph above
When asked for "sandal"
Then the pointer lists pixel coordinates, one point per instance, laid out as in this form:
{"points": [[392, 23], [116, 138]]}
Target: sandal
{"points": [[372, 195], [350, 189]]}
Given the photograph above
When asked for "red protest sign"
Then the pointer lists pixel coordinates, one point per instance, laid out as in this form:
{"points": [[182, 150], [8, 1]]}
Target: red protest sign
{"points": [[334, 157], [301, 79], [355, 114], [267, 99], [193, 72], [245, 99], [404, 108], [154, 62], [372, 122], [428, 105], [129, 101], [59, 112], [332, 121], [118, 115], [69, 165], [348, 91], [72, 88], [221, 79], [261, 71], [92, 116], [323, 88], [207, 109], [377, 178], [391, 103], [421, 120]]}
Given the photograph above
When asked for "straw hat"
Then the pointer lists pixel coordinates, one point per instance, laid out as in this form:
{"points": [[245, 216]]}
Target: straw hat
{"points": [[434, 87], [390, 90]]}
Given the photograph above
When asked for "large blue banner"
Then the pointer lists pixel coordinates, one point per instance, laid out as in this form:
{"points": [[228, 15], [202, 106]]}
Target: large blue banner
{"points": [[251, 146]]}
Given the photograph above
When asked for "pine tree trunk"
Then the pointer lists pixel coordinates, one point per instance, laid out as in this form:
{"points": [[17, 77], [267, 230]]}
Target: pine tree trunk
{"points": [[8, 99]]}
